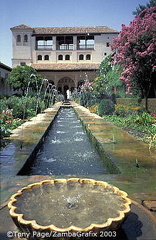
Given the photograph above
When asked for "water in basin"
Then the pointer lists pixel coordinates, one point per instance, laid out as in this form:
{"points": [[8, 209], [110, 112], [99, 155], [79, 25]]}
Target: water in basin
{"points": [[69, 204]]}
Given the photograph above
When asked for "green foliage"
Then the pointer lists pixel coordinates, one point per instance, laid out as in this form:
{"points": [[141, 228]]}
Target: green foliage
{"points": [[23, 76], [22, 107], [143, 119], [139, 9], [138, 123], [87, 99], [108, 79], [3, 104], [7, 122], [106, 107], [14, 110], [135, 52], [123, 110]]}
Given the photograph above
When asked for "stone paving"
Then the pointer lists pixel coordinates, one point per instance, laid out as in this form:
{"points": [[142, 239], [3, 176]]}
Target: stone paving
{"points": [[121, 148]]}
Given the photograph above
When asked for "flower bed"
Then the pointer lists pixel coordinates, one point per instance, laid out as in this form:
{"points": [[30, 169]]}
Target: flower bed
{"points": [[8, 123]]}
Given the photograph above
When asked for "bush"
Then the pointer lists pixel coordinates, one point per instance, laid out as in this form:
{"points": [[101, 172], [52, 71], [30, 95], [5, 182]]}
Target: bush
{"points": [[3, 104], [14, 110], [87, 99], [22, 107], [106, 107], [7, 122], [84, 98]]}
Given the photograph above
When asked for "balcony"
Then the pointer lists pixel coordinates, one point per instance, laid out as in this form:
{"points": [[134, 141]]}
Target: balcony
{"points": [[85, 47], [44, 47], [65, 47], [44, 43]]}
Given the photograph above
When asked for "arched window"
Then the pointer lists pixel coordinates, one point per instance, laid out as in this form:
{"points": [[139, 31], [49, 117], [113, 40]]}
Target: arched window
{"points": [[39, 57], [67, 57], [18, 38], [46, 57], [88, 57], [60, 57], [25, 38], [81, 57]]}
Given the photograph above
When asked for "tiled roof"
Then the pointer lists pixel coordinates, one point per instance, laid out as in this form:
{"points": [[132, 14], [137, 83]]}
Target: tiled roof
{"points": [[22, 26], [66, 30], [3, 66], [73, 30], [64, 66]]}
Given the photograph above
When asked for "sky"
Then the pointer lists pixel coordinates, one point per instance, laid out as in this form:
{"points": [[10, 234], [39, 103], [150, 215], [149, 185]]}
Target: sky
{"points": [[61, 13]]}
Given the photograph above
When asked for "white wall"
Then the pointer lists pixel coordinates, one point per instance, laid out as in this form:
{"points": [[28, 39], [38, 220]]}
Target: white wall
{"points": [[28, 54], [21, 51]]}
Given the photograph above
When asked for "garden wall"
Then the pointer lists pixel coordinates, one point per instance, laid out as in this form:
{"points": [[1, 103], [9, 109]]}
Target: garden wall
{"points": [[131, 101]]}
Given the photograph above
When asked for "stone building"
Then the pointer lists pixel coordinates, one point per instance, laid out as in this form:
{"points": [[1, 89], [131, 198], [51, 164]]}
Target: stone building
{"points": [[5, 89], [66, 56]]}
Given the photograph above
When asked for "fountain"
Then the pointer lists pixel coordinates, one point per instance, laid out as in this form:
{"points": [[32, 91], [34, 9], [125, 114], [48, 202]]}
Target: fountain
{"points": [[69, 206], [66, 150], [52, 92]]}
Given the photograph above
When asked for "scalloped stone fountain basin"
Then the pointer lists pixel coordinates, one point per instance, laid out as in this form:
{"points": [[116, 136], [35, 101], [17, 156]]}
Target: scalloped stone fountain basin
{"points": [[69, 205]]}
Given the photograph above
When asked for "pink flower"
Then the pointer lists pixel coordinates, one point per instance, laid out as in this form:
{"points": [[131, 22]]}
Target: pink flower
{"points": [[135, 48]]}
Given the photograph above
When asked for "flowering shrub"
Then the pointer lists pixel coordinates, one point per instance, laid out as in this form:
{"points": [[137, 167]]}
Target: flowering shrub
{"points": [[6, 116], [135, 51], [87, 86], [7, 122], [22, 107], [14, 110]]}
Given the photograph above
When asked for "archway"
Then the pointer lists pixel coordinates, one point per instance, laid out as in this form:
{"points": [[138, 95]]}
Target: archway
{"points": [[65, 84], [66, 87]]}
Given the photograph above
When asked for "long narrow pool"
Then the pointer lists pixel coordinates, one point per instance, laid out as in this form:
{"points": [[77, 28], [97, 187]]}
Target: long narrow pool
{"points": [[67, 149]]}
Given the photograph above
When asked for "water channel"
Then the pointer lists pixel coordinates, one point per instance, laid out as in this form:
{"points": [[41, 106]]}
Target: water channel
{"points": [[67, 149]]}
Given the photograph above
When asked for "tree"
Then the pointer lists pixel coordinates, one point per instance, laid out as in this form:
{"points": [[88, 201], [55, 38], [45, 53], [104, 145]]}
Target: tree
{"points": [[108, 79], [139, 9], [22, 77], [135, 49]]}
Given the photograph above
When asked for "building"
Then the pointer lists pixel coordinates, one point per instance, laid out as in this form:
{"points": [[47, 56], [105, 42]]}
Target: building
{"points": [[66, 56], [5, 89]]}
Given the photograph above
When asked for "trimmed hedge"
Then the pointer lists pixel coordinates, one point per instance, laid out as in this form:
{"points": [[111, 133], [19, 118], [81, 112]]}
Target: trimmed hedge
{"points": [[106, 107]]}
